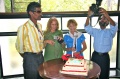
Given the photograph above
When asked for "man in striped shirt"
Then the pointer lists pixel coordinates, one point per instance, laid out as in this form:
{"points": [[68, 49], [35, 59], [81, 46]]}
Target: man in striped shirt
{"points": [[29, 42]]}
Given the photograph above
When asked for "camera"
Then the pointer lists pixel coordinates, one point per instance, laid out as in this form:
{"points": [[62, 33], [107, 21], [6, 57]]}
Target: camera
{"points": [[95, 7], [55, 37], [59, 41]]}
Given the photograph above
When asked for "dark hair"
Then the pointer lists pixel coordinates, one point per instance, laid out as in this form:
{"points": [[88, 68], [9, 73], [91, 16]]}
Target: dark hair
{"points": [[32, 6]]}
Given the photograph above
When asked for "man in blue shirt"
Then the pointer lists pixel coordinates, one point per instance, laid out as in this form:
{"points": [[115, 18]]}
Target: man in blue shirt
{"points": [[103, 39]]}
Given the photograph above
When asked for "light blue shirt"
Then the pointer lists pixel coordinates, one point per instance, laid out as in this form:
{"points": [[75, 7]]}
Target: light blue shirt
{"points": [[103, 39]]}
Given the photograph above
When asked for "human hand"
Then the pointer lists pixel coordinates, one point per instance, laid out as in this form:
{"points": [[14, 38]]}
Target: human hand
{"points": [[51, 42], [73, 49], [103, 12], [90, 13], [76, 54], [60, 39], [106, 15], [65, 57]]}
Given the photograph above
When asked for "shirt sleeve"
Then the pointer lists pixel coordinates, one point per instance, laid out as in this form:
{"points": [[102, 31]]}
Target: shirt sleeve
{"points": [[82, 37], [90, 30], [60, 33], [114, 29], [19, 41], [65, 37]]}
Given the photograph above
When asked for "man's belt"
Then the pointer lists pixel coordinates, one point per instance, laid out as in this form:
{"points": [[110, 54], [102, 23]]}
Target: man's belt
{"points": [[35, 52], [39, 52], [99, 53]]}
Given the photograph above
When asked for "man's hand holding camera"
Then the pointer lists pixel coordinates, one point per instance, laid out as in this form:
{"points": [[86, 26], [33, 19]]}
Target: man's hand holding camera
{"points": [[105, 14], [102, 11]]}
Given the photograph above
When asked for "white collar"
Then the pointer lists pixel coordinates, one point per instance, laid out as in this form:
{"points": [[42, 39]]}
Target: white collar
{"points": [[77, 32]]}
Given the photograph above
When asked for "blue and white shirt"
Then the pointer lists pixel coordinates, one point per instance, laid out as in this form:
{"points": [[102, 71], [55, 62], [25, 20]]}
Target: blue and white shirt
{"points": [[69, 41]]}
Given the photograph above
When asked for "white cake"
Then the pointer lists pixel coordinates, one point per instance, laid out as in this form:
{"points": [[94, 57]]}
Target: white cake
{"points": [[75, 66]]}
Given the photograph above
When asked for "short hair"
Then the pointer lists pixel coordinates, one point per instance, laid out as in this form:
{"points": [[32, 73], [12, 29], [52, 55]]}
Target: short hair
{"points": [[71, 21], [32, 6]]}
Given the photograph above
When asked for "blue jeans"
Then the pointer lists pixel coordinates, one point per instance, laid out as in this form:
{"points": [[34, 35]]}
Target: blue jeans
{"points": [[31, 62]]}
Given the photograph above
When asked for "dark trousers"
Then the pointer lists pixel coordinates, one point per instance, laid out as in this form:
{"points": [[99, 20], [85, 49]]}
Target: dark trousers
{"points": [[31, 62], [103, 61]]}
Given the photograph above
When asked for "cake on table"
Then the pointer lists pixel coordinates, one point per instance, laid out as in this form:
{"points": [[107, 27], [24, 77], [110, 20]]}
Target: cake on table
{"points": [[75, 66]]}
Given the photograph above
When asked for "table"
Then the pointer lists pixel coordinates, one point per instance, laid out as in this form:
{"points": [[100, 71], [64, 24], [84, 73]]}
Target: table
{"points": [[51, 70]]}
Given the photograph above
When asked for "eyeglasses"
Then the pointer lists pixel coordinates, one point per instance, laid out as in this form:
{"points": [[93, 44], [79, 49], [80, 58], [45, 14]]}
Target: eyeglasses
{"points": [[38, 11]]}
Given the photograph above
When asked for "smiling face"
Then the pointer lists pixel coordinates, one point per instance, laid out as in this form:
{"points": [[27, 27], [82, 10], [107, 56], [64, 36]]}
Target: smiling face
{"points": [[54, 25], [72, 25]]}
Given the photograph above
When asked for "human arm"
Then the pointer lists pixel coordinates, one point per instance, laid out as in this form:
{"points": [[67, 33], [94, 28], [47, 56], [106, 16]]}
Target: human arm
{"points": [[51, 42], [68, 44], [113, 29], [19, 41], [88, 28], [60, 37], [68, 49], [88, 18], [105, 13], [84, 47], [113, 25], [48, 39]]}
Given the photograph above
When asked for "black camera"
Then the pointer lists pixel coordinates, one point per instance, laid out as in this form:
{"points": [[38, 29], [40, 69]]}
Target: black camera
{"points": [[95, 7], [60, 41]]}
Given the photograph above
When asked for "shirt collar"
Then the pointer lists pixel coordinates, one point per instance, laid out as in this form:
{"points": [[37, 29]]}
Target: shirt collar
{"points": [[79, 34], [31, 23]]}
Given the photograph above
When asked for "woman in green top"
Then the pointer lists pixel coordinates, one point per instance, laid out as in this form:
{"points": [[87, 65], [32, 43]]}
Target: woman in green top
{"points": [[52, 36]]}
